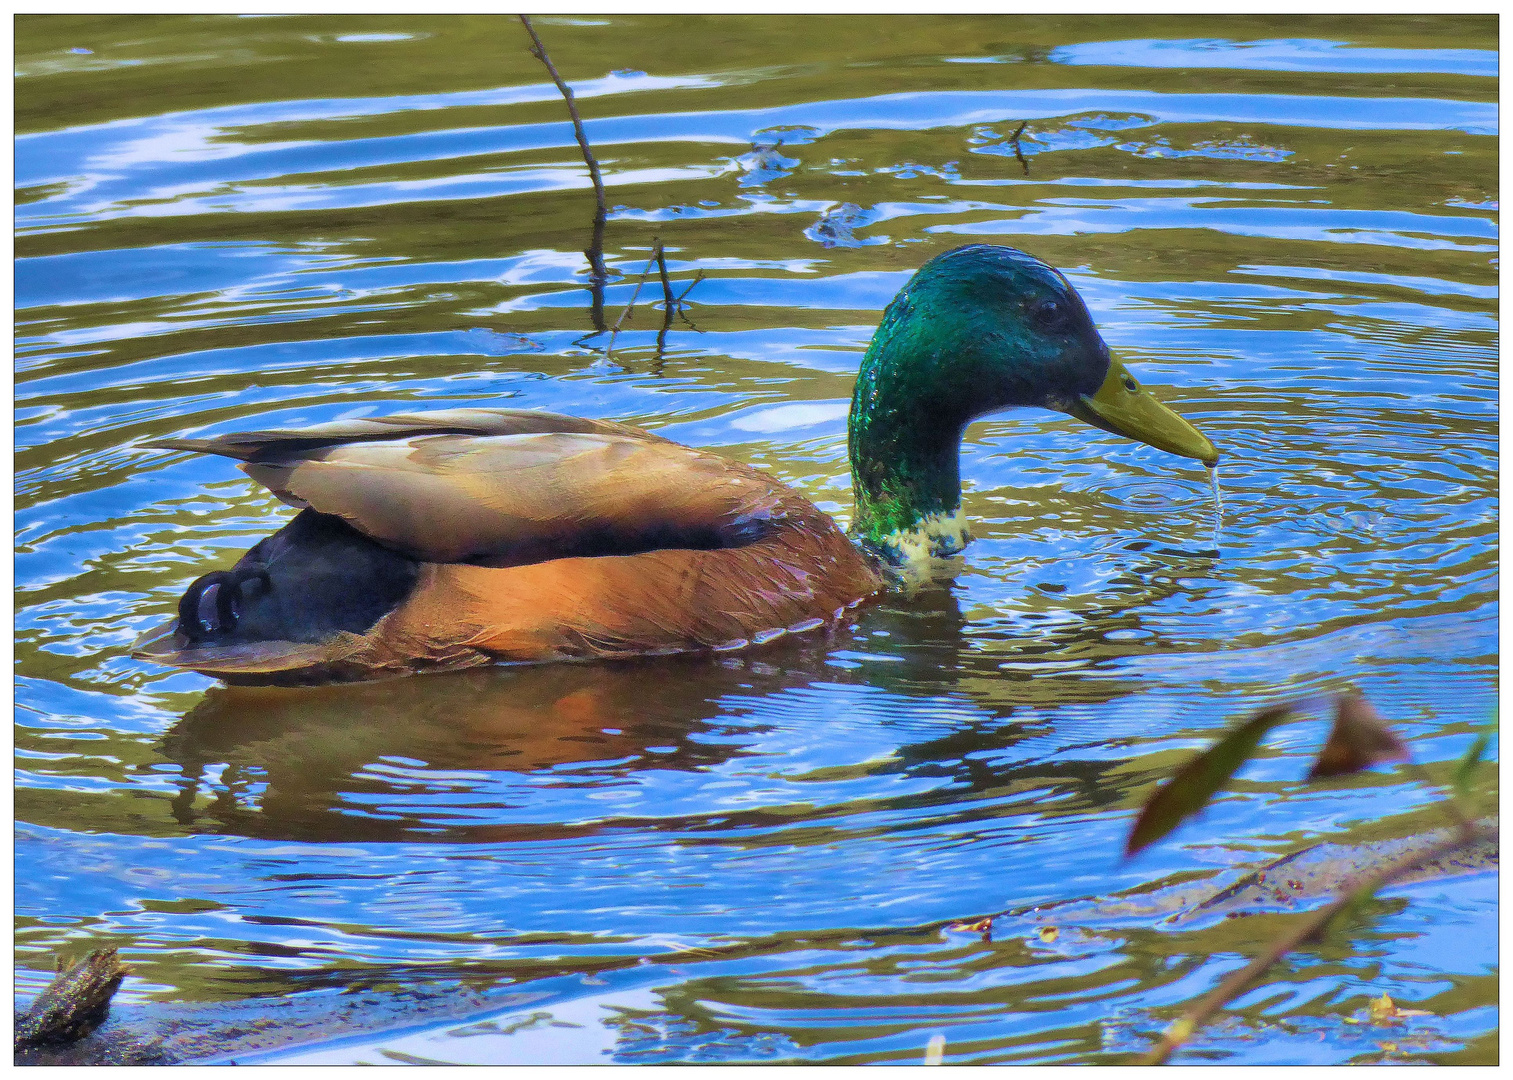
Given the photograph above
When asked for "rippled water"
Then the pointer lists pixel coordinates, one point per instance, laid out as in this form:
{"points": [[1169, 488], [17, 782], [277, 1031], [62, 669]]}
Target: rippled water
{"points": [[1288, 226]]}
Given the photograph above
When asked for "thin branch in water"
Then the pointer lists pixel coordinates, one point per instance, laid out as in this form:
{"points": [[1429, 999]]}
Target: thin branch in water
{"points": [[1018, 153], [696, 279], [667, 297], [656, 361], [538, 50], [656, 256], [598, 276], [1240, 981], [669, 309], [595, 251]]}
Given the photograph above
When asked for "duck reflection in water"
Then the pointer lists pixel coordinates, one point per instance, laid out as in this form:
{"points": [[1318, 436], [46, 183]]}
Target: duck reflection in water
{"points": [[298, 761], [456, 755]]}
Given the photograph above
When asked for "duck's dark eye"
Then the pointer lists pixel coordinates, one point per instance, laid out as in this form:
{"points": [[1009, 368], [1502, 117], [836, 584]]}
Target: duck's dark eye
{"points": [[1050, 316], [1129, 383]]}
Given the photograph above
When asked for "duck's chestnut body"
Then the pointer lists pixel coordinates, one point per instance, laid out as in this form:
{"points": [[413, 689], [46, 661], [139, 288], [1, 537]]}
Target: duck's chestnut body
{"points": [[474, 536]]}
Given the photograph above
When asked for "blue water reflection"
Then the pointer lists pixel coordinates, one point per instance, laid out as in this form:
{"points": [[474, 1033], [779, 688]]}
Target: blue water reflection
{"points": [[1280, 54], [764, 856]]}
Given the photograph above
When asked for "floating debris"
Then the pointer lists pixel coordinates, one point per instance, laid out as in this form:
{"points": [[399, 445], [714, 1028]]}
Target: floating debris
{"points": [[1386, 1011], [837, 227], [763, 165], [983, 926]]}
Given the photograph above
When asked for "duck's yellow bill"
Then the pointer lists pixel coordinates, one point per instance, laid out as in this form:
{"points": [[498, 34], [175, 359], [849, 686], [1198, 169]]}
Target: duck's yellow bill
{"points": [[1125, 408]]}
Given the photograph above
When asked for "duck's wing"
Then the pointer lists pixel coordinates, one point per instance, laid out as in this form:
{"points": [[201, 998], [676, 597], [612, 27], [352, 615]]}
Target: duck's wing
{"points": [[507, 499], [279, 442]]}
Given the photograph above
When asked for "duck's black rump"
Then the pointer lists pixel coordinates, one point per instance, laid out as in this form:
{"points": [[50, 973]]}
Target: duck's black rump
{"points": [[314, 578]]}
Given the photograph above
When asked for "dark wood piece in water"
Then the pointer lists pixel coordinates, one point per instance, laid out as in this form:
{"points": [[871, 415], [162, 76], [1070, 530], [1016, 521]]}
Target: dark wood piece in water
{"points": [[74, 1003]]}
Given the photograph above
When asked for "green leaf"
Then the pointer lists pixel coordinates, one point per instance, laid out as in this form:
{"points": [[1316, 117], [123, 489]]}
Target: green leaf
{"points": [[1460, 783], [1196, 783], [1359, 739]]}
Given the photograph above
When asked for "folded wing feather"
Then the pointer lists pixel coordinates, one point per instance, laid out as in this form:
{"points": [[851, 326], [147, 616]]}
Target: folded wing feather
{"points": [[273, 442], [509, 499]]}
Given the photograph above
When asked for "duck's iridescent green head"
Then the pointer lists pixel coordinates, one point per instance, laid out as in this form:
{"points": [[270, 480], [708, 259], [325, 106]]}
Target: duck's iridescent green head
{"points": [[978, 329]]}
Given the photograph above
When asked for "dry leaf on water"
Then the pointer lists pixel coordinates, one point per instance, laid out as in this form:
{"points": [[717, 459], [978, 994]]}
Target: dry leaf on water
{"points": [[1386, 1011], [1359, 739]]}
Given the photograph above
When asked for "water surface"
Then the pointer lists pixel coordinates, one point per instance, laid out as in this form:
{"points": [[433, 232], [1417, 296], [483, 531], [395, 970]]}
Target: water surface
{"points": [[1287, 226]]}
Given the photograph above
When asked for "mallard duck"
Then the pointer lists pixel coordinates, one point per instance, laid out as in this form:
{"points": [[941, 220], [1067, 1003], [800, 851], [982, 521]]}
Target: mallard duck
{"points": [[463, 537]]}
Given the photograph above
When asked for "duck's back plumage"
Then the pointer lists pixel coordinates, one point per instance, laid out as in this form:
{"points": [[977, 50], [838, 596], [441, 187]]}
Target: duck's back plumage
{"points": [[472, 536]]}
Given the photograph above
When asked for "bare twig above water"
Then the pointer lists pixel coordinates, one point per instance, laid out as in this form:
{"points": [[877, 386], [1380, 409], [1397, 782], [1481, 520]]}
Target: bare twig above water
{"points": [[595, 251], [677, 307], [598, 272], [672, 306], [698, 277], [667, 297]]}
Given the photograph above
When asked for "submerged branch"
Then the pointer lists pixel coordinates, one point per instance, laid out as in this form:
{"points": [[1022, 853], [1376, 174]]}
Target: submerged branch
{"points": [[1240, 981]]}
